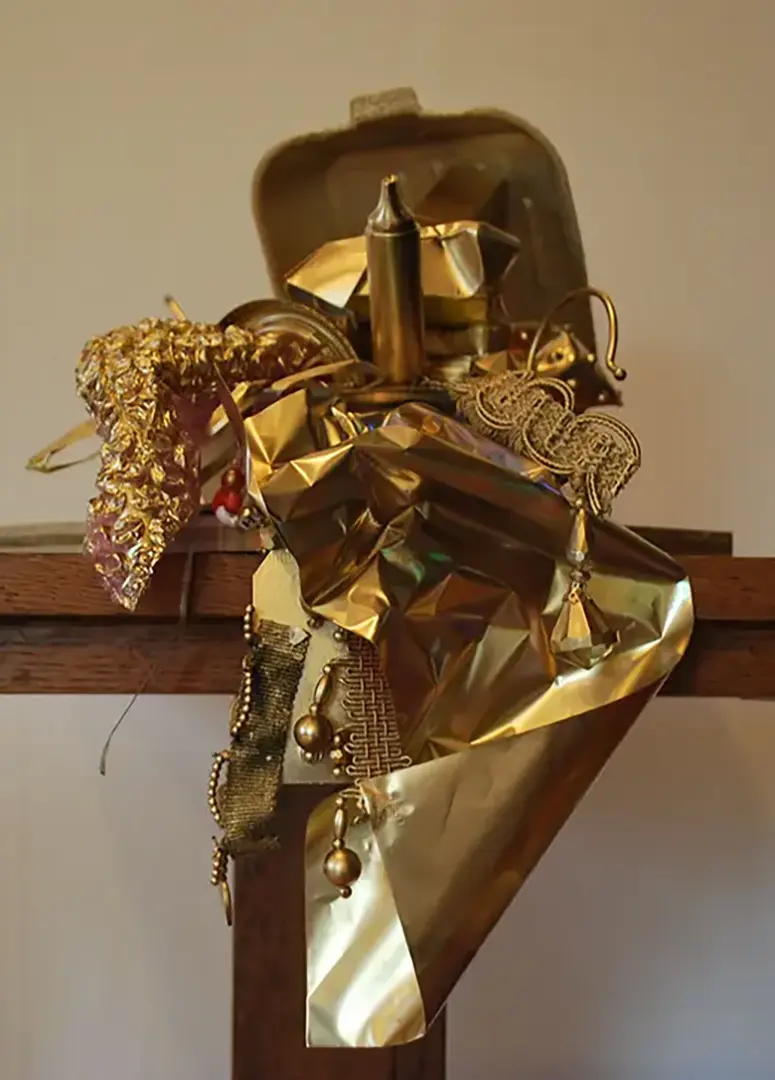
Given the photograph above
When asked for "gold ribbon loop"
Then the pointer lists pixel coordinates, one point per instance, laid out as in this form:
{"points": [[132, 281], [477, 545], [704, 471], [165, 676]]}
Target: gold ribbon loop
{"points": [[42, 461]]}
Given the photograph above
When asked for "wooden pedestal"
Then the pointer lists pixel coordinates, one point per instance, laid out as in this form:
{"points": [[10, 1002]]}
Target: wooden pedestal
{"points": [[60, 633]]}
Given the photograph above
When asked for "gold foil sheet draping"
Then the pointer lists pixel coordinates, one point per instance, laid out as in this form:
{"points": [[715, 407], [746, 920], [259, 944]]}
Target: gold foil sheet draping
{"points": [[447, 551], [445, 848], [151, 389], [248, 797]]}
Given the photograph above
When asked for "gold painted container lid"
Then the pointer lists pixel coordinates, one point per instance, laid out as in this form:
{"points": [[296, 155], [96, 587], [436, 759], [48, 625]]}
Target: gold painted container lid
{"points": [[479, 166]]}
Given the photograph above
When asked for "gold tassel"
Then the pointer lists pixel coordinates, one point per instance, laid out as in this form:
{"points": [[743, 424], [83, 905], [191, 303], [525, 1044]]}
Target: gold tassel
{"points": [[581, 634]]}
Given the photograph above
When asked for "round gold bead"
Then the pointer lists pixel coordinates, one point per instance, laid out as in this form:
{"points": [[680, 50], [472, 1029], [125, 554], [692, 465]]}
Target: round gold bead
{"points": [[247, 517], [337, 770], [342, 867], [337, 756], [339, 635], [313, 733]]}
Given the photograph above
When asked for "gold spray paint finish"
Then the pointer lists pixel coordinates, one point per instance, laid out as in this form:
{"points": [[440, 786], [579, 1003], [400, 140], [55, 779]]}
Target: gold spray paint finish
{"points": [[395, 287]]}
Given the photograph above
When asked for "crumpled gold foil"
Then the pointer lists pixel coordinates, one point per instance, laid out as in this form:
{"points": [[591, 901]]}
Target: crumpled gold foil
{"points": [[462, 264], [447, 552], [151, 389]]}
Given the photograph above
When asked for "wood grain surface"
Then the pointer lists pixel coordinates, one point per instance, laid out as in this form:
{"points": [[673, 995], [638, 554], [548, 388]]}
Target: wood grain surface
{"points": [[61, 633]]}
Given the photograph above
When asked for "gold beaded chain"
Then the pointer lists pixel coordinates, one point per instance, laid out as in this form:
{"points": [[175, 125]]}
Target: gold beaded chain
{"points": [[342, 866], [368, 745], [219, 873]]}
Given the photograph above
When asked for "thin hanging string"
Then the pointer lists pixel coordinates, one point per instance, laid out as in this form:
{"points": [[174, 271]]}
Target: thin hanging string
{"points": [[122, 717], [186, 587]]}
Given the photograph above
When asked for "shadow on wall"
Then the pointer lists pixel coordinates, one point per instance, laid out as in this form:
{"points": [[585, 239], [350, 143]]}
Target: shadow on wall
{"points": [[643, 947]]}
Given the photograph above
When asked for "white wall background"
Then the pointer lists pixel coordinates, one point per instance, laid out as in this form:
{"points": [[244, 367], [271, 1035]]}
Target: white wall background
{"points": [[644, 946]]}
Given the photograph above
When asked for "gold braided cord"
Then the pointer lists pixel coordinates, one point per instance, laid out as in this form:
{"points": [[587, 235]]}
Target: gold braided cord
{"points": [[374, 743], [597, 453]]}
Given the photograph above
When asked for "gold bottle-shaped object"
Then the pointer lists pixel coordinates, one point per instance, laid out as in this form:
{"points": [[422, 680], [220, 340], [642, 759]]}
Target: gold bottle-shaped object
{"points": [[395, 288]]}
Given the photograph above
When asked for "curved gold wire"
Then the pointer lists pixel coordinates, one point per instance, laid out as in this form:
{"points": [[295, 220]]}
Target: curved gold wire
{"points": [[613, 329]]}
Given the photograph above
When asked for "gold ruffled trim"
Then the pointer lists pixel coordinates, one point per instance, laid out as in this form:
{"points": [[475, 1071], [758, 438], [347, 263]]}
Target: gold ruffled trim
{"points": [[151, 389]]}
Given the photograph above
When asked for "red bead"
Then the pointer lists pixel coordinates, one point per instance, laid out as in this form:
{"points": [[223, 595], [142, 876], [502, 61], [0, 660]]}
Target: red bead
{"points": [[232, 502]]}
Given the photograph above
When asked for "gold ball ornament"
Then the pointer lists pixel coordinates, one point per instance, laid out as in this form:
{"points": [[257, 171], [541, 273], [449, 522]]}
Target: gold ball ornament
{"points": [[342, 867], [313, 734]]}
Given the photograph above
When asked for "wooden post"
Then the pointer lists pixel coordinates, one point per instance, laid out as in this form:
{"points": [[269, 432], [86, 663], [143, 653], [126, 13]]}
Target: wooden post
{"points": [[269, 974]]}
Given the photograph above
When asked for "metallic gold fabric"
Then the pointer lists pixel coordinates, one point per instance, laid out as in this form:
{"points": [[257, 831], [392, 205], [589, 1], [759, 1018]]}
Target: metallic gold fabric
{"points": [[447, 551], [248, 799], [444, 849]]}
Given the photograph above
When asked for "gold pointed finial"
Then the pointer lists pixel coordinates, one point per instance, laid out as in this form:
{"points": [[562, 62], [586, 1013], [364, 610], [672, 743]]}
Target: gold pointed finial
{"points": [[391, 214]]}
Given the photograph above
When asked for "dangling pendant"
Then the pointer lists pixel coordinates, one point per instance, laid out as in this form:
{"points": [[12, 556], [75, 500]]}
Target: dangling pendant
{"points": [[314, 732], [342, 866], [219, 877], [581, 635]]}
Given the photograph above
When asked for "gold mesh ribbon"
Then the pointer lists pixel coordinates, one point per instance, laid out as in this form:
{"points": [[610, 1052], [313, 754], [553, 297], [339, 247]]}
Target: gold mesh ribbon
{"points": [[248, 799]]}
